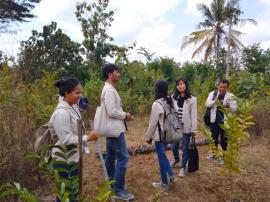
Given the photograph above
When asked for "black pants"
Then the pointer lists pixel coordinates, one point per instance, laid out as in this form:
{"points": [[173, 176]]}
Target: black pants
{"points": [[216, 130]]}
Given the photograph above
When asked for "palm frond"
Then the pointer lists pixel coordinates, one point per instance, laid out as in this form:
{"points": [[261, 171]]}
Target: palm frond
{"points": [[200, 48], [195, 37]]}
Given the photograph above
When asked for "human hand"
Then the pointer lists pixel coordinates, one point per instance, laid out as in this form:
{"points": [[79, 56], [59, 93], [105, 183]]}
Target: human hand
{"points": [[93, 136], [193, 134], [129, 117], [149, 141]]}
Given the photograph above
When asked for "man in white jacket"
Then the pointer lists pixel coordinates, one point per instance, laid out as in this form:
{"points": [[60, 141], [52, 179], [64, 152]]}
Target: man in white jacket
{"points": [[217, 116], [116, 149]]}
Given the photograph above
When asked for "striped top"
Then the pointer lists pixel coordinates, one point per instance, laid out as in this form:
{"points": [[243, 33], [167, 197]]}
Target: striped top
{"points": [[180, 103], [180, 114]]}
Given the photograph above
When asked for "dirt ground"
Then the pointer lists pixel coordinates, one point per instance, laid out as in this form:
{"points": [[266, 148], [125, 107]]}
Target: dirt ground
{"points": [[209, 183]]}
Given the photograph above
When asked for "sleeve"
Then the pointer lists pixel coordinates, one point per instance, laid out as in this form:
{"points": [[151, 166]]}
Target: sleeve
{"points": [[233, 103], [194, 121], [209, 101], [156, 111], [111, 107], [62, 127]]}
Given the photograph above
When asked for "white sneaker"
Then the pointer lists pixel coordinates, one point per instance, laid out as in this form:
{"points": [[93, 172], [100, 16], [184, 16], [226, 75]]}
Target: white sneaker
{"points": [[173, 179], [221, 161], [210, 157], [182, 172], [160, 185]]}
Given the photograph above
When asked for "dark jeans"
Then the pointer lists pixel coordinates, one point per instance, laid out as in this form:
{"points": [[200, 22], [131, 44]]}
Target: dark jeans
{"points": [[164, 164], [216, 130], [116, 160], [185, 145], [66, 176]]}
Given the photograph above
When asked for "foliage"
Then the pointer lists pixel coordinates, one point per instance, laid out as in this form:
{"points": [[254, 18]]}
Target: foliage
{"points": [[15, 11], [53, 51], [104, 192], [256, 59], [213, 34], [23, 108], [95, 20], [17, 190]]}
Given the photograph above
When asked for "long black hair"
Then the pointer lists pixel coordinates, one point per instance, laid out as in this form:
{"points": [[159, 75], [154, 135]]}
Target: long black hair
{"points": [[161, 91], [66, 85], [187, 91]]}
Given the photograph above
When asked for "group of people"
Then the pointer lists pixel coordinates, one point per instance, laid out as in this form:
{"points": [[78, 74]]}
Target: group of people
{"points": [[64, 121]]}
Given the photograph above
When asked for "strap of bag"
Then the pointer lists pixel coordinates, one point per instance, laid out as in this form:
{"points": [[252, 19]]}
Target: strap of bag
{"points": [[164, 117], [193, 143]]}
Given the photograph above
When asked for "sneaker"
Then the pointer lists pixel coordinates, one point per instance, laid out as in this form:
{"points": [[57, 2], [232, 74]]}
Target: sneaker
{"points": [[182, 172], [160, 185], [123, 195], [174, 164], [173, 179], [210, 157], [221, 161]]}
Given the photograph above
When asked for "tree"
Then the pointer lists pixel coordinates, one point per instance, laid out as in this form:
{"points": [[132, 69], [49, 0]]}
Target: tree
{"points": [[52, 51], [95, 21], [15, 11], [213, 33], [255, 59]]}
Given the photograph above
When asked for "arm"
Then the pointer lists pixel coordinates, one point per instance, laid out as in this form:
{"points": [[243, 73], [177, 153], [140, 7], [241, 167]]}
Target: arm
{"points": [[194, 125], [154, 118], [111, 107], [209, 101], [233, 103], [62, 127]]}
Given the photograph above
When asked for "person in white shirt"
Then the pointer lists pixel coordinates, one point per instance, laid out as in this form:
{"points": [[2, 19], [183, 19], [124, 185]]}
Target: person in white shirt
{"points": [[186, 106], [152, 134], [64, 122], [116, 160], [217, 116]]}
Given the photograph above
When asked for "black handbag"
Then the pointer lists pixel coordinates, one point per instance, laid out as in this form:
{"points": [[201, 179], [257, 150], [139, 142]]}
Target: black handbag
{"points": [[207, 113], [193, 162]]}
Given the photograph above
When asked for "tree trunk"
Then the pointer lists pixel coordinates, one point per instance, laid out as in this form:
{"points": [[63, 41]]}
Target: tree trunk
{"points": [[229, 48]]}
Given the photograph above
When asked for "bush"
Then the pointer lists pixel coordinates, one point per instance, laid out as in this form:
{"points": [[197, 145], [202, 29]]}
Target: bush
{"points": [[23, 108]]}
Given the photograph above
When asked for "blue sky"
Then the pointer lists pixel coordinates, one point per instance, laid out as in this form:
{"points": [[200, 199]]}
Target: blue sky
{"points": [[158, 25]]}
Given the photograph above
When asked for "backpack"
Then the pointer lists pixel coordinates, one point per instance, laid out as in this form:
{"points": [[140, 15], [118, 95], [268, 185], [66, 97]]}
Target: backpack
{"points": [[45, 135], [207, 114], [172, 128]]}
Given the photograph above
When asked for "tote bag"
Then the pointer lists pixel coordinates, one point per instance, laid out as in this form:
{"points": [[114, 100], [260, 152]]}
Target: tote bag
{"points": [[193, 162], [105, 125]]}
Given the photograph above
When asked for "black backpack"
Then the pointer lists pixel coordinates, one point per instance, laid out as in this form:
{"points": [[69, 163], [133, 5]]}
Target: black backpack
{"points": [[207, 113]]}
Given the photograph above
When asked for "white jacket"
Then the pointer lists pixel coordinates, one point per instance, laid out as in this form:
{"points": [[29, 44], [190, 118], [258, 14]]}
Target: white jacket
{"points": [[228, 99], [64, 121], [113, 105], [189, 114], [157, 115]]}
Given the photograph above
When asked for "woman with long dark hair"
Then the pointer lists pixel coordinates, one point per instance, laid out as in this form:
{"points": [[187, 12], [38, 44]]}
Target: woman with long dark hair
{"points": [[157, 117], [186, 106]]}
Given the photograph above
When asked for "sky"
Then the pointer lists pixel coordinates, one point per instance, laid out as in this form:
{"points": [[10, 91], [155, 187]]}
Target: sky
{"points": [[158, 25]]}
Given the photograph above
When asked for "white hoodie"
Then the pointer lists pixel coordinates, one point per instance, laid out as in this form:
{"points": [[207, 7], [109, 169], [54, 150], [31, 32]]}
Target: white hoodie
{"points": [[64, 121]]}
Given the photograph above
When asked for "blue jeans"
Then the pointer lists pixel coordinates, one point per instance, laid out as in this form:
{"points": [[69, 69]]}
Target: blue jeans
{"points": [[164, 164], [185, 145], [116, 161]]}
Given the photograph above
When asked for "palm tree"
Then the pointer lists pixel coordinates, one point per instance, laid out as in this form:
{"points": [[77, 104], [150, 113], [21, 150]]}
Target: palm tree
{"points": [[213, 31]]}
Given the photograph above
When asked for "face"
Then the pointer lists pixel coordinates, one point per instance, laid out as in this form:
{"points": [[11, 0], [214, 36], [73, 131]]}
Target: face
{"points": [[223, 88], [181, 87], [115, 76], [73, 97]]}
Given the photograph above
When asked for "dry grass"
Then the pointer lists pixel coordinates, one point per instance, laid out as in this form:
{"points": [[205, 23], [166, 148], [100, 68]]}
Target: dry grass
{"points": [[210, 183]]}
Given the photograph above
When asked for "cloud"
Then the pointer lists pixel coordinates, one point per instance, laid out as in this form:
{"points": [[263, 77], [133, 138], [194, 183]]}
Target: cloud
{"points": [[131, 16], [192, 6], [49, 10]]}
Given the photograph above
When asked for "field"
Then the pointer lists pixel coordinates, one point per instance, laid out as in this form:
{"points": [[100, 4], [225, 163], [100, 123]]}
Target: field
{"points": [[210, 183]]}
